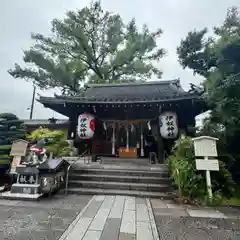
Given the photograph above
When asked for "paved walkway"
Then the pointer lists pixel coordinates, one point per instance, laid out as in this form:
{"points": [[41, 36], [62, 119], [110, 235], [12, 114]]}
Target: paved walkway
{"points": [[114, 218], [130, 218]]}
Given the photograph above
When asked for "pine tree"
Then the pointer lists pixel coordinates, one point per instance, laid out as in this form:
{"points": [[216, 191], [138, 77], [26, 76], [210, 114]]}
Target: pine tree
{"points": [[11, 129], [91, 45]]}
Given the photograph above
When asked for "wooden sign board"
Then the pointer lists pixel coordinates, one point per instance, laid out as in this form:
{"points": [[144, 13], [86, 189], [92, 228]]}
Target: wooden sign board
{"points": [[19, 148], [205, 146], [207, 165]]}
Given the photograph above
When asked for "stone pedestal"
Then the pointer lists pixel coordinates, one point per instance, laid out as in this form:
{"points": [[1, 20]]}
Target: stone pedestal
{"points": [[27, 185], [28, 181], [25, 188], [34, 181]]}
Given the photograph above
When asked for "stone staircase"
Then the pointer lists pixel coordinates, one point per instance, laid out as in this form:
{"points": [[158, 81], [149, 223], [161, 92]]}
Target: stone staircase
{"points": [[151, 182]]}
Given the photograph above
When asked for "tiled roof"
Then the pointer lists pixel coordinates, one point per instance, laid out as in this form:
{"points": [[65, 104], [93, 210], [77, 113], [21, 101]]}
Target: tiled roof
{"points": [[43, 121], [131, 92], [134, 92]]}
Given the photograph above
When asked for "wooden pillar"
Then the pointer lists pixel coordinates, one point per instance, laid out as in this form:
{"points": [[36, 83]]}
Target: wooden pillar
{"points": [[113, 139], [161, 159], [141, 136], [127, 140], [72, 127]]}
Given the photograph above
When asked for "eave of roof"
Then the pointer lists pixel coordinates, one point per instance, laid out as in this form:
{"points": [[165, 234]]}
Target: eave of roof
{"points": [[148, 92], [53, 100], [44, 122]]}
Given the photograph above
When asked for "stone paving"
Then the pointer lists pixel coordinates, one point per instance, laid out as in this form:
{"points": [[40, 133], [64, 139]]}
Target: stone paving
{"points": [[129, 218], [114, 218], [181, 222], [43, 220]]}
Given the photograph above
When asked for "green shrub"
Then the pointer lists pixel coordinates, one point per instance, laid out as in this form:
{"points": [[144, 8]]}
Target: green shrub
{"points": [[183, 171], [40, 133], [222, 181], [217, 199], [191, 181], [58, 147], [5, 149], [5, 160], [58, 144]]}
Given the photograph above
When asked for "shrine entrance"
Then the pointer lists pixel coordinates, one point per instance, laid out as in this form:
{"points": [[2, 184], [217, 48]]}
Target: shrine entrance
{"points": [[127, 139], [124, 115]]}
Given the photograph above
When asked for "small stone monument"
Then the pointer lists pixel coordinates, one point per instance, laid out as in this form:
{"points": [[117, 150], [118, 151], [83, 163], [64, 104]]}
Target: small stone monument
{"points": [[28, 184], [34, 177]]}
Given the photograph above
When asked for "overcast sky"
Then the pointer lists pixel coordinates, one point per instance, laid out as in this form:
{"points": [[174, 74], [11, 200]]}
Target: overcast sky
{"points": [[19, 18]]}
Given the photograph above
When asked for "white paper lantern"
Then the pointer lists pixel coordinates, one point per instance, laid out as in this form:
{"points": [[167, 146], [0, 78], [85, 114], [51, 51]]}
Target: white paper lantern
{"points": [[86, 126], [168, 125]]}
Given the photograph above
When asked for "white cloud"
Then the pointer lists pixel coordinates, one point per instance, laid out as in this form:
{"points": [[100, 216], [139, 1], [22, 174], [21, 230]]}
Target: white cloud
{"points": [[19, 18]]}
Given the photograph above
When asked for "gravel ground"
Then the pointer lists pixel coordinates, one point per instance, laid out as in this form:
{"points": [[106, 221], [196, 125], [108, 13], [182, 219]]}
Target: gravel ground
{"points": [[46, 219]]}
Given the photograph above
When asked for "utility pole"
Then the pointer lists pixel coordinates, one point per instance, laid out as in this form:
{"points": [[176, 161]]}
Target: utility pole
{"points": [[33, 101]]}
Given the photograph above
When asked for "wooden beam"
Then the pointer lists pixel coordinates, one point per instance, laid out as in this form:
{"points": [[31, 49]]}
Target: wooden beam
{"points": [[160, 143]]}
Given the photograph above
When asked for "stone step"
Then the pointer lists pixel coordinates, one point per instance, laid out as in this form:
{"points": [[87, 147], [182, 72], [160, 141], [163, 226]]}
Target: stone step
{"points": [[123, 167], [121, 186], [99, 191], [122, 172], [152, 167], [119, 178], [129, 166]]}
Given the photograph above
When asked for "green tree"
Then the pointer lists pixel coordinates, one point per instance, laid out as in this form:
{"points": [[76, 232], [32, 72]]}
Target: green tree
{"points": [[11, 129], [217, 59], [91, 45]]}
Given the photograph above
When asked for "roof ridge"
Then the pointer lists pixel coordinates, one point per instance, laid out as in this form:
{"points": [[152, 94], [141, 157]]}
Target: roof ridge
{"points": [[159, 82], [42, 119]]}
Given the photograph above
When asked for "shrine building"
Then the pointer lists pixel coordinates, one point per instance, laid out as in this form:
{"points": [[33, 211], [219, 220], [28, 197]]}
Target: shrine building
{"points": [[116, 119]]}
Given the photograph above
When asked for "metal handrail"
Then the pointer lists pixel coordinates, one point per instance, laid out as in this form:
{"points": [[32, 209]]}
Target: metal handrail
{"points": [[166, 155], [69, 167]]}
